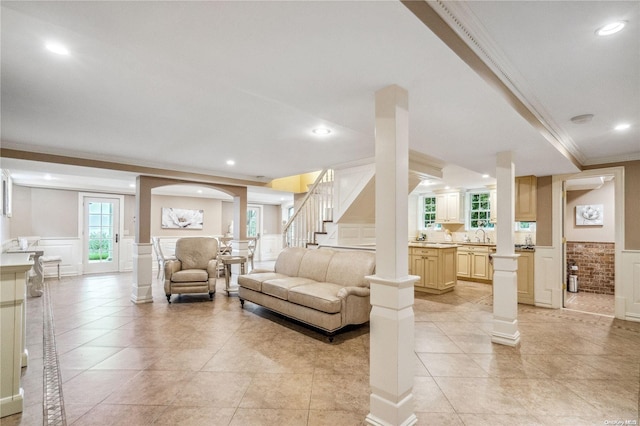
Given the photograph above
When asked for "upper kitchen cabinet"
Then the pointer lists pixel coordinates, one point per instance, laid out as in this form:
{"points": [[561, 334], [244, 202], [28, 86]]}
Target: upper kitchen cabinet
{"points": [[449, 208], [526, 198]]}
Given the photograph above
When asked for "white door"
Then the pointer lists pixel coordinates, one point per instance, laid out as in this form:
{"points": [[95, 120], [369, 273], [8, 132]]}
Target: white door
{"points": [[101, 238]]}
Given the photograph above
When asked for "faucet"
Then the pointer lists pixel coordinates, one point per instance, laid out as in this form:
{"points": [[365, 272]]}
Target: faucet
{"points": [[484, 235]]}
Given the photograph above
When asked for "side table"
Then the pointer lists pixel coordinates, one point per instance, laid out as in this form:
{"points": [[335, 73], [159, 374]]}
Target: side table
{"points": [[227, 261]]}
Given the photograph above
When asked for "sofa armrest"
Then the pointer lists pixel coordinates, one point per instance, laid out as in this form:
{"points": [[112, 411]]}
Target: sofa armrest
{"points": [[170, 267], [355, 291]]}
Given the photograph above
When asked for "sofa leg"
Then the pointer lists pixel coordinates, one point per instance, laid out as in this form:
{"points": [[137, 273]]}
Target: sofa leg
{"points": [[211, 295], [242, 303], [169, 298], [330, 336]]}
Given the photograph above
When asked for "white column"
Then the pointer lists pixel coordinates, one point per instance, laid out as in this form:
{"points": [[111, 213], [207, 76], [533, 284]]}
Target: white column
{"points": [[505, 261], [392, 320], [142, 275]]}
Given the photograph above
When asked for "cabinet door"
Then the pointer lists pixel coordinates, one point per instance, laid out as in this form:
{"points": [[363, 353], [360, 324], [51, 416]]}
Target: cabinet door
{"points": [[480, 265], [493, 206], [526, 198], [447, 269], [453, 207], [431, 271], [525, 278], [418, 268], [441, 208], [463, 264]]}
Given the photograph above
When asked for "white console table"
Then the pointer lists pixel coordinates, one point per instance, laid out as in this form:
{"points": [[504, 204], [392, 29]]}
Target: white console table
{"points": [[14, 268]]}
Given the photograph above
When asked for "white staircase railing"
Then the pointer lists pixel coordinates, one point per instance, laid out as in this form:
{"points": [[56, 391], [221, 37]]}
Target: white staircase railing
{"points": [[309, 216]]}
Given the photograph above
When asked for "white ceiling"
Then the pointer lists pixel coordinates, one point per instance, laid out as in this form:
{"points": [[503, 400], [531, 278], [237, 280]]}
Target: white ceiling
{"points": [[189, 85]]}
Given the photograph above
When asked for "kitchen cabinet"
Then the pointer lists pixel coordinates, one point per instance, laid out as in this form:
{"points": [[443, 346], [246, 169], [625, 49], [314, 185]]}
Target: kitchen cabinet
{"points": [[493, 204], [474, 263], [525, 278], [436, 268], [449, 208], [526, 189]]}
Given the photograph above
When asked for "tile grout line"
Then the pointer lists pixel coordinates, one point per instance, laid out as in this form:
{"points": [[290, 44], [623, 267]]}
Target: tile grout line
{"points": [[53, 401]]}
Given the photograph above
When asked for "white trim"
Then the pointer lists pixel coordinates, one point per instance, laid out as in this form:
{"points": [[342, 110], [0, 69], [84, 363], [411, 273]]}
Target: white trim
{"points": [[81, 197], [622, 287]]}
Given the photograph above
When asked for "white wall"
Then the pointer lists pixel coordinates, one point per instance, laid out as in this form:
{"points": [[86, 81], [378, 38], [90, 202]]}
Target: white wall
{"points": [[592, 233]]}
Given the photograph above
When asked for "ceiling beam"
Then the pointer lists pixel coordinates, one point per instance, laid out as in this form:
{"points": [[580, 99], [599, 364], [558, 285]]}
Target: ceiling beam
{"points": [[425, 11]]}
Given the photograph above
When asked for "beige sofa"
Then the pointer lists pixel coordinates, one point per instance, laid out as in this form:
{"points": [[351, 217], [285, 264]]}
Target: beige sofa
{"points": [[324, 288]]}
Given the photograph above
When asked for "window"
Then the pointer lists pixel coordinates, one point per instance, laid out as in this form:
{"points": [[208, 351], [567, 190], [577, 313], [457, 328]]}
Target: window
{"points": [[429, 212], [479, 210]]}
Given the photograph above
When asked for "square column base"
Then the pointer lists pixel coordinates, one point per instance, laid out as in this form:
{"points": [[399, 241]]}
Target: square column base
{"points": [[402, 412], [142, 275], [12, 404]]}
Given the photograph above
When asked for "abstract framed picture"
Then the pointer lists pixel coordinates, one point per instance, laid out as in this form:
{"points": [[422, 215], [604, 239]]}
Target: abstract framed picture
{"points": [[173, 218], [589, 214]]}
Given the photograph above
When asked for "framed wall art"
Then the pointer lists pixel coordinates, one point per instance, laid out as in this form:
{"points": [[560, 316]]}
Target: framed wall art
{"points": [[173, 218], [589, 214]]}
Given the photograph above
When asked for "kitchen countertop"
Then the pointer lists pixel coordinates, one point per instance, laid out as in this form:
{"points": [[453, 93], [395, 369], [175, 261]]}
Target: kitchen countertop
{"points": [[517, 248]]}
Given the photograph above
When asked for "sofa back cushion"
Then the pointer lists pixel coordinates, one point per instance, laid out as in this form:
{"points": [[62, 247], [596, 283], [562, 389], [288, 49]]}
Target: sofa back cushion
{"points": [[314, 264], [196, 252], [288, 261], [349, 268]]}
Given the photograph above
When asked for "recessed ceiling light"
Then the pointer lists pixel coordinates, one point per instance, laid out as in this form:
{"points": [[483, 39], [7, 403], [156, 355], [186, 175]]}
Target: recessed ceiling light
{"points": [[622, 126], [230, 162], [581, 119], [132, 185], [199, 191], [321, 131], [47, 177], [57, 48], [447, 187], [611, 28], [485, 176]]}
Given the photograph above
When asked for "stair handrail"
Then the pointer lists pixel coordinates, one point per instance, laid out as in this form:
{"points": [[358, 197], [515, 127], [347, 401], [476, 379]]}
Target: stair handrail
{"points": [[301, 205]]}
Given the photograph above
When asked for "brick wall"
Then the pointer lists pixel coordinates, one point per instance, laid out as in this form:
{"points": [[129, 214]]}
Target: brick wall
{"points": [[596, 264]]}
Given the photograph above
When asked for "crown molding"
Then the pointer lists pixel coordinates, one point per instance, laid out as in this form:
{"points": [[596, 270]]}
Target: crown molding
{"points": [[465, 35]]}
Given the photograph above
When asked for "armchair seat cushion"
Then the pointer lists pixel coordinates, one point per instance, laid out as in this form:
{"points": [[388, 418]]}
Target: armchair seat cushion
{"points": [[189, 275], [320, 296]]}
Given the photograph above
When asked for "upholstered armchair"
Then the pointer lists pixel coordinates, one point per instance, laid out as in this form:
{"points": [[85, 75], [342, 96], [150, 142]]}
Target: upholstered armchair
{"points": [[194, 269]]}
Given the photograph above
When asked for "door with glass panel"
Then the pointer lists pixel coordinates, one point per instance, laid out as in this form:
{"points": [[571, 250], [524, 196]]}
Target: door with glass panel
{"points": [[101, 238]]}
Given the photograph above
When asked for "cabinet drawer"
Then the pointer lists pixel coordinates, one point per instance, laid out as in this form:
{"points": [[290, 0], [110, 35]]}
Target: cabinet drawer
{"points": [[417, 251], [475, 249]]}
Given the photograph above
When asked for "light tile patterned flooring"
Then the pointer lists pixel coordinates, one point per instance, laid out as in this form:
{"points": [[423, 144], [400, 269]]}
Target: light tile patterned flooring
{"points": [[602, 304], [197, 362]]}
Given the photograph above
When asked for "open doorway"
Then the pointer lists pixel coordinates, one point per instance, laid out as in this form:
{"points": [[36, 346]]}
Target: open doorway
{"points": [[589, 236]]}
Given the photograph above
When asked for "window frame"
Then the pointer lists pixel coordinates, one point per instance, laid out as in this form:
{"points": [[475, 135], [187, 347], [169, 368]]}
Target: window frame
{"points": [[469, 211]]}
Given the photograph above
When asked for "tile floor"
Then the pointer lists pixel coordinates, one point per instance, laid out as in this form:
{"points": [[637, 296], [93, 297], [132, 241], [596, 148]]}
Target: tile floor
{"points": [[197, 362], [603, 304]]}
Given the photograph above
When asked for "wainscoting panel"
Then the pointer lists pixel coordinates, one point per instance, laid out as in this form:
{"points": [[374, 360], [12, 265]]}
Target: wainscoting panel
{"points": [[69, 249], [547, 283], [631, 284]]}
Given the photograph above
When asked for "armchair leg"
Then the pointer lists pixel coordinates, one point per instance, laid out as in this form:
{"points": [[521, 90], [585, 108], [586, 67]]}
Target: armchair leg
{"points": [[242, 303], [211, 295], [169, 298]]}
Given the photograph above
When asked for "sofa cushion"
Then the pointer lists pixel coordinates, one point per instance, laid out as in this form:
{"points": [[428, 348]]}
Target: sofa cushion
{"points": [[189, 275], [314, 264], [349, 268], [279, 287], [321, 296], [254, 281], [288, 261]]}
